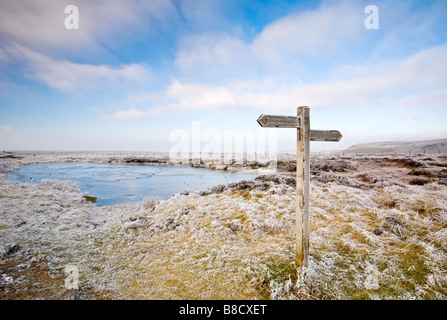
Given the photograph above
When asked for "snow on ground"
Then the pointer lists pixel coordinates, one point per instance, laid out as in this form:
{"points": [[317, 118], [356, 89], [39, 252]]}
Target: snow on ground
{"points": [[378, 231]]}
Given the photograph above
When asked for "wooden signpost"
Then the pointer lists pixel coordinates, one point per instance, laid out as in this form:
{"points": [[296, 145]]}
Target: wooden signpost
{"points": [[305, 135]]}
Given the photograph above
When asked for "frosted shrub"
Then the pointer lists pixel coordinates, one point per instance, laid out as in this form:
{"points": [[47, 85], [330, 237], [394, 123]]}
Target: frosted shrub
{"points": [[149, 203], [281, 291], [272, 226]]}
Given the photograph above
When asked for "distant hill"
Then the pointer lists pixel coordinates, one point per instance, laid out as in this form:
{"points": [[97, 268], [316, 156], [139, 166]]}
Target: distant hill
{"points": [[400, 147]]}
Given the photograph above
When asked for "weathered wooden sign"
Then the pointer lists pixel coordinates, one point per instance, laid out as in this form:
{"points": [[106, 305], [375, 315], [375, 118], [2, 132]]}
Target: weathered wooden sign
{"points": [[304, 136], [269, 121]]}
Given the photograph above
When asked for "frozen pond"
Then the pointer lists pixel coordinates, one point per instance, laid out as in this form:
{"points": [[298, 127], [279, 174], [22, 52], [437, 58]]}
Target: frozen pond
{"points": [[114, 183]]}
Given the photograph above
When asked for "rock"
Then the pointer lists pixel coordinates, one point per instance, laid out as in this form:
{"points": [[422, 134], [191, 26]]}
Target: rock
{"points": [[380, 231], [218, 189], [90, 199], [185, 210], [205, 193], [186, 192], [21, 223], [92, 223], [393, 221], [419, 181], [235, 227], [10, 250], [170, 225], [366, 177]]}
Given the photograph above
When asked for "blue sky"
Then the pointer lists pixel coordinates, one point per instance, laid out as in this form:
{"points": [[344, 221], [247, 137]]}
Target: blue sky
{"points": [[135, 71]]}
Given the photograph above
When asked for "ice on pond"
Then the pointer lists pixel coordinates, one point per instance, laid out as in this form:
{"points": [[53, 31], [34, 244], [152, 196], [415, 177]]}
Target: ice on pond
{"points": [[118, 183]]}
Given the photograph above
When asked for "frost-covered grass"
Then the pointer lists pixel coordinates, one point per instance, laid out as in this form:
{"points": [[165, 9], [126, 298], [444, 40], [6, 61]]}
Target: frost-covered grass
{"points": [[240, 246], [364, 248], [373, 235]]}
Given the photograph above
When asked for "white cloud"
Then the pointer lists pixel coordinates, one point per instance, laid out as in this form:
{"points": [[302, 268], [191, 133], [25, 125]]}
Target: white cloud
{"points": [[200, 96], [39, 25], [128, 114], [386, 84], [324, 31], [133, 113], [419, 80], [280, 47], [5, 128], [213, 53], [65, 75]]}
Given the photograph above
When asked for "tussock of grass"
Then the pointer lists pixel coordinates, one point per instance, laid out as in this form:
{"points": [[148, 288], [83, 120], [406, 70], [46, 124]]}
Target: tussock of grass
{"points": [[349, 261]]}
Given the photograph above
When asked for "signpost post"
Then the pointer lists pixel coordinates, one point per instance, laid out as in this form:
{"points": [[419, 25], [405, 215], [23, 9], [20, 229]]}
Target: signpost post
{"points": [[304, 136]]}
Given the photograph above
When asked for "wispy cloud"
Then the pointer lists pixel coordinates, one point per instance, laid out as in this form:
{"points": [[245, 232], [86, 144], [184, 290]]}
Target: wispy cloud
{"points": [[39, 25], [418, 80], [281, 46], [5, 128], [126, 114], [214, 54], [324, 31], [65, 75]]}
